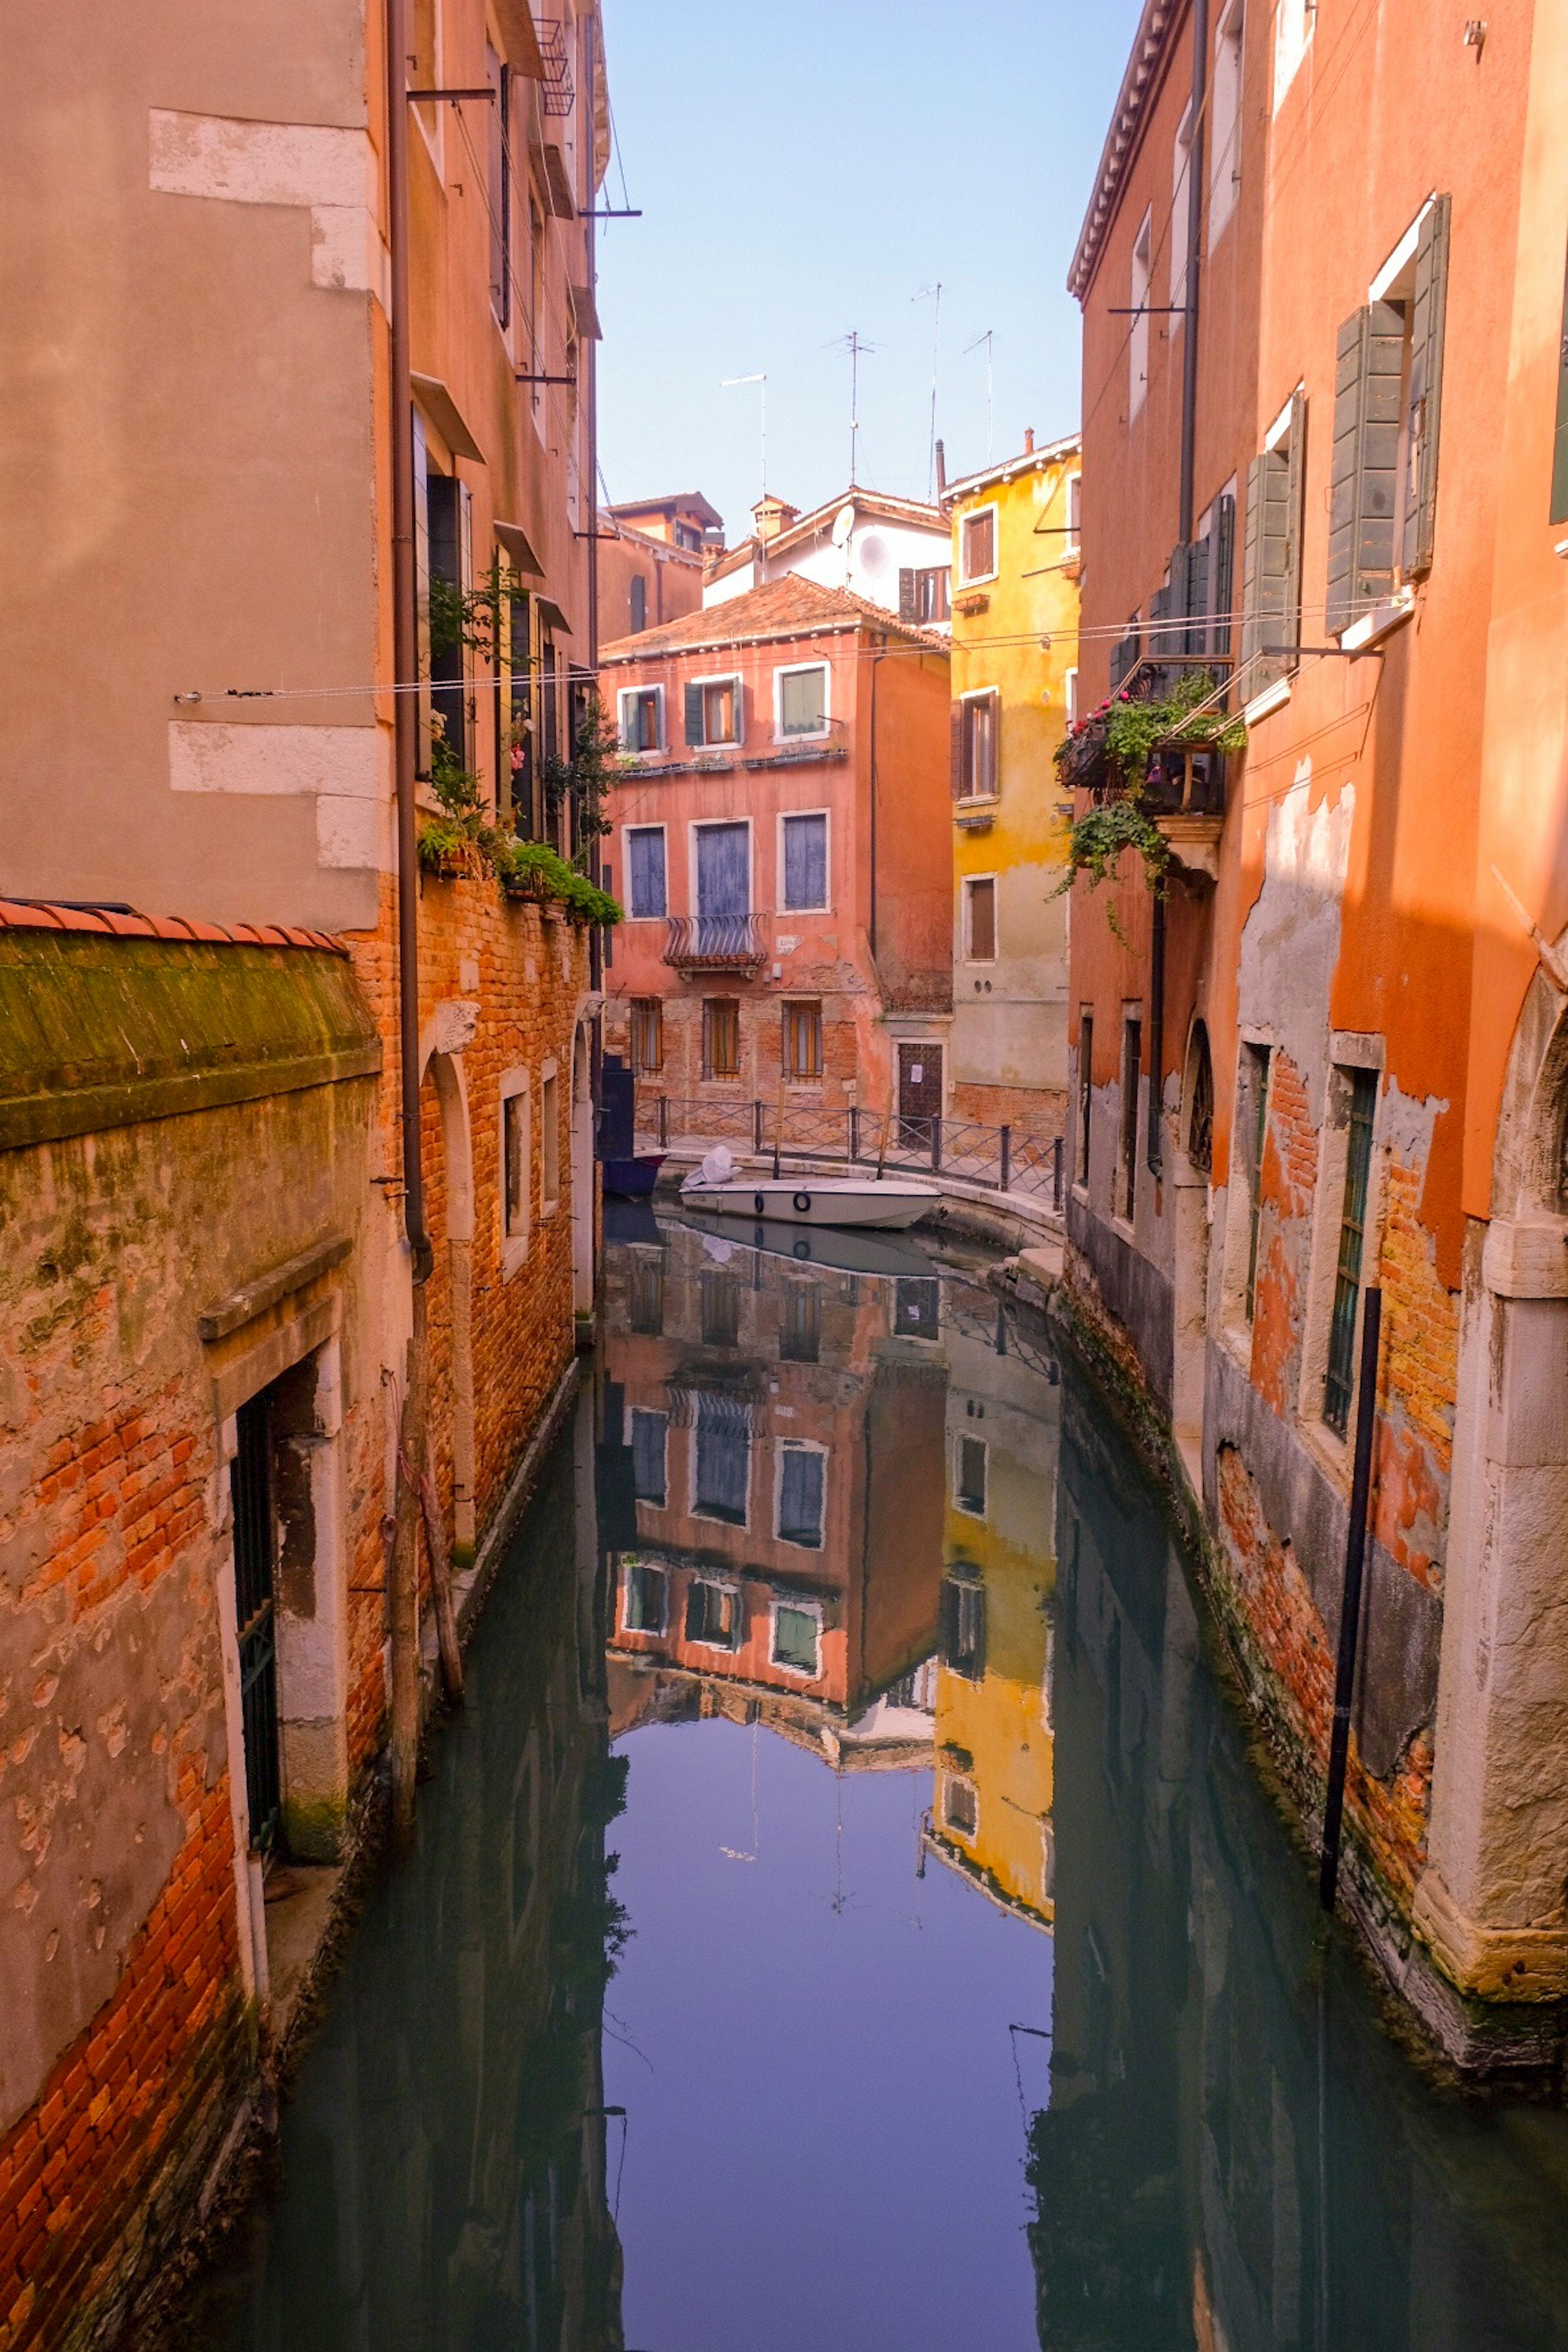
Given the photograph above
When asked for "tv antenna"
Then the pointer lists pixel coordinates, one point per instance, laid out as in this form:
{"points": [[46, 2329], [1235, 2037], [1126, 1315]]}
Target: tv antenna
{"points": [[926, 294], [974, 346], [726, 384], [854, 343]]}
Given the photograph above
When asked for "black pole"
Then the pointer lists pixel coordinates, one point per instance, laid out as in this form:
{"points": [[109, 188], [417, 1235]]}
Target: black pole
{"points": [[1350, 1604], [1156, 1025]]}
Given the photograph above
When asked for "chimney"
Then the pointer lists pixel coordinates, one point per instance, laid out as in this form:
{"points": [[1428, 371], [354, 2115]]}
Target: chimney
{"points": [[1028, 440], [941, 471], [771, 516]]}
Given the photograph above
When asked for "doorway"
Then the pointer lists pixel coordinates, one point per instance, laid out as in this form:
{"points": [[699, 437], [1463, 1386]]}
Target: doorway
{"points": [[256, 1610], [920, 1094]]}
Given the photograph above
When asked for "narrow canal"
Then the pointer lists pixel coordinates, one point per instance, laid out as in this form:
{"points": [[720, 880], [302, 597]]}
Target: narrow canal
{"points": [[845, 1916]]}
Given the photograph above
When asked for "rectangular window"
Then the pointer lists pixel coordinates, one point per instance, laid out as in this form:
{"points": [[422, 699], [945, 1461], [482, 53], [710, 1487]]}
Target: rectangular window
{"points": [[549, 1140], [644, 1607], [646, 888], [802, 1474], [1074, 514], [713, 1615], [1138, 325], [722, 1468], [1069, 686], [805, 865], [1132, 1064], [720, 1292], [647, 1037], [803, 1040], [1271, 553], [961, 1624], [1369, 370], [723, 870], [645, 1293], [1085, 1091], [642, 718], [721, 1038], [917, 1307], [650, 1450], [803, 700], [1293, 31], [978, 717], [980, 919], [977, 546], [800, 1323], [923, 595], [638, 606], [713, 711], [514, 1149], [960, 1805], [1338, 1384], [447, 514], [797, 1637], [1224, 119], [1253, 1125], [1180, 158], [970, 1485], [499, 187]]}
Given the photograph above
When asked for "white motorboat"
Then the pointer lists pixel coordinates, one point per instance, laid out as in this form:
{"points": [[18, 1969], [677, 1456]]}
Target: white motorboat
{"points": [[719, 1188]]}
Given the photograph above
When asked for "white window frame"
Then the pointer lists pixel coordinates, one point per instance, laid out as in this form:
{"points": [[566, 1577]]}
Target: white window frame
{"points": [[1226, 115], [1180, 164], [723, 677], [960, 1438], [1069, 696], [516, 1085], [803, 734], [630, 1560], [991, 694], [1141, 284], [1072, 538], [623, 696], [968, 894], [1296, 23], [951, 1781], [694, 826], [967, 579], [549, 1075], [827, 906], [798, 1445], [626, 832], [719, 1584], [812, 1609]]}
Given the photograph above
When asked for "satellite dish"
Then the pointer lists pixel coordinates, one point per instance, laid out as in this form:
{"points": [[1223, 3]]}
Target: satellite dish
{"points": [[843, 525]]}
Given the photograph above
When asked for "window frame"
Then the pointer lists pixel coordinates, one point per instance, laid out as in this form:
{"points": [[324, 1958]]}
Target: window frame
{"points": [[710, 1076], [633, 1564], [1226, 137], [731, 678], [967, 579], [732, 1592], [949, 1783], [516, 1085], [695, 824], [970, 883], [637, 1012], [785, 818], [1353, 1055], [974, 695], [1124, 1208], [626, 694], [800, 1608], [803, 734], [1140, 281], [791, 1074], [627, 831], [786, 1446], [651, 1412], [1085, 1074], [549, 1139], [960, 1438]]}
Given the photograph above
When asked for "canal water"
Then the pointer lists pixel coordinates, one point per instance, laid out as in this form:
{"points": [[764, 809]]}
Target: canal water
{"points": [[845, 1916]]}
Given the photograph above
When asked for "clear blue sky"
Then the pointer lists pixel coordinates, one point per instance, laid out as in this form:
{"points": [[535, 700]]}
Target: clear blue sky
{"points": [[806, 169]]}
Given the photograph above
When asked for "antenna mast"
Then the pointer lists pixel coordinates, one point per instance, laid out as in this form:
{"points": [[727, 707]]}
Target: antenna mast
{"points": [[974, 346], [925, 292], [725, 384]]}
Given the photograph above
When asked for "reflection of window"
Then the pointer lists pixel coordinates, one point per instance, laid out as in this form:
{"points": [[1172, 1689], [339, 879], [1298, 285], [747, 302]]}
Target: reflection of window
{"points": [[723, 1459], [797, 1637], [916, 1308], [713, 1615], [1047, 1862], [721, 1294], [961, 1624], [803, 1471], [800, 1323], [803, 700], [645, 1606], [960, 1805], [647, 1037], [971, 1494], [650, 1445], [645, 1292]]}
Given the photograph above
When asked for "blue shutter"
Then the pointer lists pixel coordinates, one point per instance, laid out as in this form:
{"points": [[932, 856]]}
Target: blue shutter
{"points": [[723, 870], [805, 862], [694, 734], [800, 1496], [646, 866]]}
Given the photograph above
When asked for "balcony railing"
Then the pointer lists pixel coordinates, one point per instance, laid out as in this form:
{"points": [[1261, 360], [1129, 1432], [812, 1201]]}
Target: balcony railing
{"points": [[716, 943]]}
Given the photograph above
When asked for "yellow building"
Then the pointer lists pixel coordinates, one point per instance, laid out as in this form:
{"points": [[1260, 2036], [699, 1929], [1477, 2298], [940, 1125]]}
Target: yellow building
{"points": [[1014, 648]]}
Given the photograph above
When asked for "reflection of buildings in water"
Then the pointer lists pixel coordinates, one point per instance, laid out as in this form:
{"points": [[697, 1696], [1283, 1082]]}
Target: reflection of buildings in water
{"points": [[776, 1431], [992, 1805]]}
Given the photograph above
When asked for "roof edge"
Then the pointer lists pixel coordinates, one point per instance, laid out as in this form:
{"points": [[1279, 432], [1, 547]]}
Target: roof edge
{"points": [[1150, 48]]}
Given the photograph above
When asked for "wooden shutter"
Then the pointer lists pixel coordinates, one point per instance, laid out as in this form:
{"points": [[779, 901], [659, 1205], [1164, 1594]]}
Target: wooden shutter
{"points": [[1560, 440], [1368, 365], [1265, 570], [1295, 519], [1195, 602], [1223, 558], [740, 710], [1425, 385], [906, 593], [694, 715], [955, 751]]}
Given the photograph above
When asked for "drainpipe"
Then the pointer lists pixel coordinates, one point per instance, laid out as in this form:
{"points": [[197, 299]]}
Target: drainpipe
{"points": [[876, 666], [1155, 1152]]}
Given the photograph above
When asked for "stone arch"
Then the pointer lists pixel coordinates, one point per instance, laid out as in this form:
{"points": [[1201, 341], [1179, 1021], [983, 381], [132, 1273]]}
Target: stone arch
{"points": [[451, 1193]]}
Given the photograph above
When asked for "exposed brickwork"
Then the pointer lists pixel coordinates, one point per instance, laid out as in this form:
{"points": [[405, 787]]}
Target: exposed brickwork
{"points": [[1420, 1393], [1039, 1112]]}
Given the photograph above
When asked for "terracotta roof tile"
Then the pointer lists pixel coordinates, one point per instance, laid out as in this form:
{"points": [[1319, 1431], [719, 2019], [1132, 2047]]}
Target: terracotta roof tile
{"points": [[779, 608], [42, 915]]}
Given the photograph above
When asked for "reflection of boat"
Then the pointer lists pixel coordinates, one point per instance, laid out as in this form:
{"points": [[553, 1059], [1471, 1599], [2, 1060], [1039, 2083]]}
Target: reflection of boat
{"points": [[842, 1249], [890, 1202], [632, 1179]]}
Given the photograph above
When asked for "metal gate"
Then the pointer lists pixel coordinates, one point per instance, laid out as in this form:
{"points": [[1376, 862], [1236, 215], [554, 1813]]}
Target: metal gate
{"points": [[251, 1489], [920, 1094]]}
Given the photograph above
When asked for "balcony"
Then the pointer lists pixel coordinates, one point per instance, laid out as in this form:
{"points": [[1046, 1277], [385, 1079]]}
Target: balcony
{"points": [[716, 943]]}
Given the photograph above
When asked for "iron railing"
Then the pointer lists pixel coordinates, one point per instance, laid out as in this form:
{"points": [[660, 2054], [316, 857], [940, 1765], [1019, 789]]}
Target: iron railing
{"points": [[715, 943], [1010, 1158]]}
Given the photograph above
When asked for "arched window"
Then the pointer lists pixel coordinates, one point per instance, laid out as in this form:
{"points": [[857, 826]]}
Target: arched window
{"points": [[1200, 1101]]}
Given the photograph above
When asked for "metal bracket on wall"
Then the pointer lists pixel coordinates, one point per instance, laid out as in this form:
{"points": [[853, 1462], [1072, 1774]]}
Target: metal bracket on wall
{"points": [[421, 96], [611, 212], [1321, 653], [545, 379]]}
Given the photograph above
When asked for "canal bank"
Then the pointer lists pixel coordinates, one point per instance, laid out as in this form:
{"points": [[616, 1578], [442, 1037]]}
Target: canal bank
{"points": [[942, 1869]]}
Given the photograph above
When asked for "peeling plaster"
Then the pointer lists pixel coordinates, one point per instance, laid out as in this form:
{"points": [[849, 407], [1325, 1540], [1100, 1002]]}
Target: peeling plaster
{"points": [[1291, 940]]}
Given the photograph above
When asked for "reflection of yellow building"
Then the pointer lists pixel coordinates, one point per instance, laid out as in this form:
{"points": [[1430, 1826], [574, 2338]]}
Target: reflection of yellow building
{"points": [[991, 1812], [1014, 648]]}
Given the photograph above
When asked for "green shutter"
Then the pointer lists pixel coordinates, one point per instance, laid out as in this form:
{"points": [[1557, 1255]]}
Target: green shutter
{"points": [[1363, 481], [1268, 616], [1425, 385], [694, 715], [1559, 442], [955, 751], [740, 711], [1195, 603], [1295, 519], [906, 593], [1224, 559]]}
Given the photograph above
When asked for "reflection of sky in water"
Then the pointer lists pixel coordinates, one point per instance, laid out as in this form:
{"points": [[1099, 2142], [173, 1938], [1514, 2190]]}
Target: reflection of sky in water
{"points": [[825, 2146]]}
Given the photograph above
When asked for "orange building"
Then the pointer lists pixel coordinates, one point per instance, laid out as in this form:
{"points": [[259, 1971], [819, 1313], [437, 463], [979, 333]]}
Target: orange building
{"points": [[1327, 1054], [652, 554], [779, 842]]}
